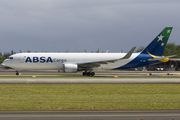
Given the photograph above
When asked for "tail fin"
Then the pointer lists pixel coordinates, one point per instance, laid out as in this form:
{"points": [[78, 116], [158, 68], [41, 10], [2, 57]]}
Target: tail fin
{"points": [[156, 47]]}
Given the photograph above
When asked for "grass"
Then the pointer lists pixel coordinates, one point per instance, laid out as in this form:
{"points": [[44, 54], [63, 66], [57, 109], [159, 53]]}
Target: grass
{"points": [[89, 96]]}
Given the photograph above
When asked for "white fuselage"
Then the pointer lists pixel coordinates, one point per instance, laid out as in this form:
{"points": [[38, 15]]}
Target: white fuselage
{"points": [[55, 61]]}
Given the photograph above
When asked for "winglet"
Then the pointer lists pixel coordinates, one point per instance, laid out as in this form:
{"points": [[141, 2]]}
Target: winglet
{"points": [[128, 55], [107, 51]]}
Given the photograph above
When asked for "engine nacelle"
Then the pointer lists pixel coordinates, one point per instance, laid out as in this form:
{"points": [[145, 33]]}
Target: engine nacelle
{"points": [[70, 68]]}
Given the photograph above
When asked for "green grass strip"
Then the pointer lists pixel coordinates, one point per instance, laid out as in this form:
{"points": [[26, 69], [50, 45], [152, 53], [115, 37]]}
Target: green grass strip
{"points": [[89, 96]]}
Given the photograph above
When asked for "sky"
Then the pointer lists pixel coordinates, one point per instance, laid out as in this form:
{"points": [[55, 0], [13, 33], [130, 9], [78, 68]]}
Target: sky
{"points": [[79, 25]]}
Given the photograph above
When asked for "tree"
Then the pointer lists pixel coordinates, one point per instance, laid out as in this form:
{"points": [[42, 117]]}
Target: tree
{"points": [[171, 49], [6, 55], [12, 52], [1, 59], [177, 51]]}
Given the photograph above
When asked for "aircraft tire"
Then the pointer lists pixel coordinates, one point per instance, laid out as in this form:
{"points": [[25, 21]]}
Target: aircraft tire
{"points": [[88, 73], [84, 73], [92, 74]]}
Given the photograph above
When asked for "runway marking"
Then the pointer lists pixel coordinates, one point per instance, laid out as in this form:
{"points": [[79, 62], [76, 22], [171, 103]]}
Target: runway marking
{"points": [[170, 74], [156, 115]]}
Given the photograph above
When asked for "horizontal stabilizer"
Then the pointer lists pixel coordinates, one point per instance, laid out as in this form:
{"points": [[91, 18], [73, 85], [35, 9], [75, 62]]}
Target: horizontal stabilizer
{"points": [[161, 58], [128, 55]]}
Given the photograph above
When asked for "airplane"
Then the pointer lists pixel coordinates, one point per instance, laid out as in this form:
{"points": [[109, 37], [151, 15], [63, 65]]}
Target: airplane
{"points": [[87, 62]]}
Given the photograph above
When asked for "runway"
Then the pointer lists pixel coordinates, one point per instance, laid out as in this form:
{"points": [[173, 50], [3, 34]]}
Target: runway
{"points": [[91, 115], [102, 77], [89, 81], [109, 73]]}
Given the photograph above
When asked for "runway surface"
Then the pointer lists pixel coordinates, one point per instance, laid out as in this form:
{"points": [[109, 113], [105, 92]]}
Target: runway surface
{"points": [[92, 115], [89, 81], [109, 73]]}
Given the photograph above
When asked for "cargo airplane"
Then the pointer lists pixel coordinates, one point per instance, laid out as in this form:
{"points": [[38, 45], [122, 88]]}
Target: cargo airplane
{"points": [[87, 62]]}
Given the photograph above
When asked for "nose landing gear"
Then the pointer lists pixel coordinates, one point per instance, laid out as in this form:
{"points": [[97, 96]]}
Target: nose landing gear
{"points": [[17, 73]]}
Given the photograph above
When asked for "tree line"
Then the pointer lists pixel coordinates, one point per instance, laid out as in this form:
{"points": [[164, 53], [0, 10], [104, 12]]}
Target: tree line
{"points": [[170, 49]]}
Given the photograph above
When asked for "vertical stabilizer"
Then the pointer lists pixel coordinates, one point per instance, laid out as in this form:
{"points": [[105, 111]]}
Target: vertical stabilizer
{"points": [[156, 47]]}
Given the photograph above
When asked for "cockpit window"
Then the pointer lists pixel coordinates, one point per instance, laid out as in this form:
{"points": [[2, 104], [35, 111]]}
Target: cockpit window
{"points": [[10, 58]]}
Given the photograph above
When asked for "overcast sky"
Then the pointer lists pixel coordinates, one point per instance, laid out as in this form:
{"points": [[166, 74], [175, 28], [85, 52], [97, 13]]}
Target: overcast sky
{"points": [[78, 25]]}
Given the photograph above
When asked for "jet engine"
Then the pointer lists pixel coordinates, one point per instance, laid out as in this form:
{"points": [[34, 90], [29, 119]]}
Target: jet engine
{"points": [[70, 68]]}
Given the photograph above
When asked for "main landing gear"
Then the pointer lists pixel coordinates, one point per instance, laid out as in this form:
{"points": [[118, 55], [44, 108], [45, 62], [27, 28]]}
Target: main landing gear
{"points": [[88, 73]]}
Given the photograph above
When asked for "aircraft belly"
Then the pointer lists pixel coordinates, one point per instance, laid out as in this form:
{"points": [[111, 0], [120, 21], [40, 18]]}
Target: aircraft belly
{"points": [[37, 66]]}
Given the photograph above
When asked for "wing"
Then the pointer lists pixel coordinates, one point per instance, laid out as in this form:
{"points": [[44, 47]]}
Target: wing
{"points": [[90, 65]]}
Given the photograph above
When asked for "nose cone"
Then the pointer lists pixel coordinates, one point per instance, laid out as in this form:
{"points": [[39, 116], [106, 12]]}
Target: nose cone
{"points": [[5, 62]]}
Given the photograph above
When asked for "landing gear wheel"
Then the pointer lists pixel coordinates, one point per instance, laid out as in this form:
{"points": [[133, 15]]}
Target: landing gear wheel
{"points": [[88, 73], [17, 73], [92, 74], [84, 73]]}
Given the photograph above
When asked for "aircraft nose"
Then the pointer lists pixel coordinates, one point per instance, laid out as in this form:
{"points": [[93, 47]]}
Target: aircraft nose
{"points": [[5, 62]]}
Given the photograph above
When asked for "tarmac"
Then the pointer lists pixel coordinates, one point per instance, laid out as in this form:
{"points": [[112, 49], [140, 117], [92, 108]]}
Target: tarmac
{"points": [[92, 115], [109, 73], [90, 81], [101, 77]]}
